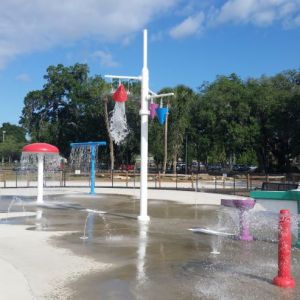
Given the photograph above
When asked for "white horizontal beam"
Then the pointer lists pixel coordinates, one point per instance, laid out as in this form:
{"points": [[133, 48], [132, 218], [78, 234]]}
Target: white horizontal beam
{"points": [[124, 77], [160, 95], [151, 92]]}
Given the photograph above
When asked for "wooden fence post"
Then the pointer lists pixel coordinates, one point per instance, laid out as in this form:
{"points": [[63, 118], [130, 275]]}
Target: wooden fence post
{"points": [[159, 180], [233, 184], [192, 182], [248, 181]]}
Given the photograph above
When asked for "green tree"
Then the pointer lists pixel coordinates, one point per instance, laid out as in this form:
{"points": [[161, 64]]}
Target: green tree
{"points": [[13, 139], [224, 130], [274, 103], [67, 109], [179, 120]]}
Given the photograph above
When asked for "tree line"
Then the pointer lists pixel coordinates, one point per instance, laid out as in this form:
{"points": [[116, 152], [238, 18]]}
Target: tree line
{"points": [[229, 120]]}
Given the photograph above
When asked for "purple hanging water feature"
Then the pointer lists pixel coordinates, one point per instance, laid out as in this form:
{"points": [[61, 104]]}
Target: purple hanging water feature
{"points": [[153, 107]]}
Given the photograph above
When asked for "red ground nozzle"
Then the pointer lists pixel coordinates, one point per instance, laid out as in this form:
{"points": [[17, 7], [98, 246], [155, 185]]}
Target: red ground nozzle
{"points": [[284, 278]]}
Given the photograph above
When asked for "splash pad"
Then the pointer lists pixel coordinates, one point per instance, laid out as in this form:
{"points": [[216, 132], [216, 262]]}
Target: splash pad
{"points": [[161, 254], [37, 153], [84, 156]]}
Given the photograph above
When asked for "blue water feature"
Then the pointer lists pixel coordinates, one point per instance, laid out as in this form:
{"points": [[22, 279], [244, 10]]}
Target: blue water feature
{"points": [[93, 158]]}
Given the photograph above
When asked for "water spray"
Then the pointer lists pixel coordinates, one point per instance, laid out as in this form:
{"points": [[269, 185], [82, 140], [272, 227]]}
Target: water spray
{"points": [[86, 153], [37, 152]]}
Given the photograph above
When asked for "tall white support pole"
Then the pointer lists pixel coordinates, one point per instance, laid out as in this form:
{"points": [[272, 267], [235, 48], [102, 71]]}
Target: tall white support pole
{"points": [[40, 178], [144, 112]]}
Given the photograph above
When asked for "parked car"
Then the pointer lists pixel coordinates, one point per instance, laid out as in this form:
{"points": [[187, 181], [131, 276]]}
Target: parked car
{"points": [[198, 166], [180, 166], [253, 168], [240, 168], [214, 167], [127, 167]]}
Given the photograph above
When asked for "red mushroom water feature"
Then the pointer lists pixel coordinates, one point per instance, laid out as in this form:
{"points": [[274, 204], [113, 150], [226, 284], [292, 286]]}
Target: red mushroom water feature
{"points": [[39, 150]]}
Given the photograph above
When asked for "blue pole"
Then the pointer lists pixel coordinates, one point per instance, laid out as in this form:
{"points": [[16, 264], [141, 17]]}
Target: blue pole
{"points": [[92, 173]]}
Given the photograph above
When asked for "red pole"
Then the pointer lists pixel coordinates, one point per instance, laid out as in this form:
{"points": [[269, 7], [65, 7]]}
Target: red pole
{"points": [[284, 278]]}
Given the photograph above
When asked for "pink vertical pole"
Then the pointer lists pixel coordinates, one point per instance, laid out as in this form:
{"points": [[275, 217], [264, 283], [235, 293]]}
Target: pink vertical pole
{"points": [[244, 225], [284, 278]]}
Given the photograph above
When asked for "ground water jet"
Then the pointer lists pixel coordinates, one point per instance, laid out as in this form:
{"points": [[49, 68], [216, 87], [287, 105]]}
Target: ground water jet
{"points": [[13, 201], [89, 215], [91, 212]]}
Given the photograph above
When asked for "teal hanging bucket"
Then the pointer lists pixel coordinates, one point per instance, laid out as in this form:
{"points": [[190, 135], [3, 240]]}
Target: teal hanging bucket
{"points": [[162, 114]]}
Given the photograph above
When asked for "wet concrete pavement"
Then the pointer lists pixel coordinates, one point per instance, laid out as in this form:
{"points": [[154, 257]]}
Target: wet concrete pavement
{"points": [[161, 260]]}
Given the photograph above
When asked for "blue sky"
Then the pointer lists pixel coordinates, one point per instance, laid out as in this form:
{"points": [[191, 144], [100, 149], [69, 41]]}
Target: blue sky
{"points": [[190, 41]]}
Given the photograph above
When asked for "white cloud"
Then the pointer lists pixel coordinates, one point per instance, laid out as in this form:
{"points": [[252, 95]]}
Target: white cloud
{"points": [[106, 59], [255, 12], [157, 36], [24, 77], [33, 25], [258, 12], [190, 26]]}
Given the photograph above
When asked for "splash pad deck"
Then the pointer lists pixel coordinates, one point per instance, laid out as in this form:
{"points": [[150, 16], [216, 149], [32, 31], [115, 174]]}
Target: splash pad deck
{"points": [[147, 259]]}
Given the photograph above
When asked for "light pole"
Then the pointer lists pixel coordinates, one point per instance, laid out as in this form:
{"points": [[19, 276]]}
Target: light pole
{"points": [[186, 153], [3, 139], [144, 113]]}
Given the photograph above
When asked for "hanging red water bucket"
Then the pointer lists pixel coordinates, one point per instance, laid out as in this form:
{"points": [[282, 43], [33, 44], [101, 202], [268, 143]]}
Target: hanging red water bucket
{"points": [[120, 95]]}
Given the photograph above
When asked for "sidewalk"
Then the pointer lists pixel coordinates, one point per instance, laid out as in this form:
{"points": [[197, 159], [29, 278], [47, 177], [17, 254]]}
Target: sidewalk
{"points": [[187, 197]]}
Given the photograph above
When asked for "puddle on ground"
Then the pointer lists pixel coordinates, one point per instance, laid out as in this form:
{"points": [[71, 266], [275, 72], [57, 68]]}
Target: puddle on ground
{"points": [[161, 260]]}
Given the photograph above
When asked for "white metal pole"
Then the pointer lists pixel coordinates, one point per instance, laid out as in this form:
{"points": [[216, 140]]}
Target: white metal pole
{"points": [[142, 247], [144, 112], [40, 178]]}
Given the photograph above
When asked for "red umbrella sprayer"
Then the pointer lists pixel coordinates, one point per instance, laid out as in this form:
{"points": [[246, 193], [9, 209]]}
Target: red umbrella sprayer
{"points": [[37, 153]]}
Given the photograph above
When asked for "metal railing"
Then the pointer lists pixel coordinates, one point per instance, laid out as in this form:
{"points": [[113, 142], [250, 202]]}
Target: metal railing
{"points": [[231, 184]]}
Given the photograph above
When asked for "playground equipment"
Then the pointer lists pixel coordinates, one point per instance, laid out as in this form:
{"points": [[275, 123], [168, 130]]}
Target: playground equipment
{"points": [[146, 95], [118, 124], [152, 108], [244, 205], [84, 155], [36, 153], [161, 113], [284, 278]]}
